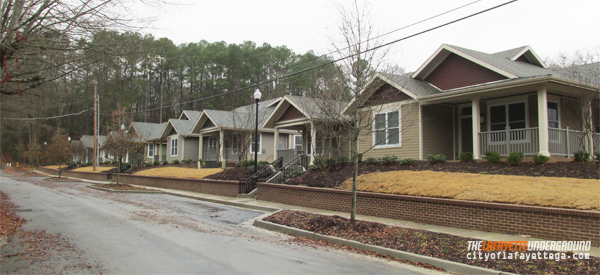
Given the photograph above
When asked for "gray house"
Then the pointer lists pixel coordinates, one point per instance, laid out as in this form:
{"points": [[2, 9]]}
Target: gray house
{"points": [[87, 142], [149, 134]]}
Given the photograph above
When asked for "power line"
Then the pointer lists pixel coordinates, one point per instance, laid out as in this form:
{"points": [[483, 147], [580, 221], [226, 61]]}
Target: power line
{"points": [[44, 118], [334, 61], [382, 35]]}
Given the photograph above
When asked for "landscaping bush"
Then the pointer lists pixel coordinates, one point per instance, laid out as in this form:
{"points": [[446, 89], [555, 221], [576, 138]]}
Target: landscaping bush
{"points": [[190, 161], [515, 158], [88, 164], [389, 159], [466, 157], [114, 162], [597, 157], [330, 162], [125, 167], [581, 156], [294, 173], [492, 157], [244, 163], [262, 164], [319, 162], [155, 163], [147, 164], [439, 158], [341, 160], [72, 165], [360, 157], [175, 161], [408, 162], [165, 162], [313, 167], [372, 161], [250, 169], [540, 159], [107, 162]]}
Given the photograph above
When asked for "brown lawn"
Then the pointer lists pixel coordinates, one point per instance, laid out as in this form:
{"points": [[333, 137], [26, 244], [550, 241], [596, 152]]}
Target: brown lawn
{"points": [[55, 166], [91, 169], [538, 191], [179, 172]]}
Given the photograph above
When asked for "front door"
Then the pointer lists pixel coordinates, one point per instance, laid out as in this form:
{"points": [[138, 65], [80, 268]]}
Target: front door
{"points": [[466, 134]]}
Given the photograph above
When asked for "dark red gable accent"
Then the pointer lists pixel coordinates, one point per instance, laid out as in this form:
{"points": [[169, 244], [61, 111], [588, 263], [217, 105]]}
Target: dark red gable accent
{"points": [[291, 113], [386, 94], [455, 72]]}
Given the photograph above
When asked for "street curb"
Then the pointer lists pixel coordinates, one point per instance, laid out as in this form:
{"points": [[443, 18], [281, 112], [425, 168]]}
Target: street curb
{"points": [[124, 191], [449, 266], [240, 205]]}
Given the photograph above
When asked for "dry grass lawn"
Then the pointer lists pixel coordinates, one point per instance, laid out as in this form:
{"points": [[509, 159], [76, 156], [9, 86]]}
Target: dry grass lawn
{"points": [[538, 191], [179, 172], [54, 166], [91, 169]]}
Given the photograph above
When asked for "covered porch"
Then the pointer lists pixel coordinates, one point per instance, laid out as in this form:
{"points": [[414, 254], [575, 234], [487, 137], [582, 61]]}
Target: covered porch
{"points": [[552, 119]]}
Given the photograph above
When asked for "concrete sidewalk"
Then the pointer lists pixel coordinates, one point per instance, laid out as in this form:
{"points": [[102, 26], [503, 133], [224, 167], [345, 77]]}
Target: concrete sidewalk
{"points": [[266, 206]]}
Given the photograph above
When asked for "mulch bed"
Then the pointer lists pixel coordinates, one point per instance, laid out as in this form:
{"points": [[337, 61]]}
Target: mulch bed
{"points": [[335, 176], [122, 187], [59, 179], [234, 173], [438, 245]]}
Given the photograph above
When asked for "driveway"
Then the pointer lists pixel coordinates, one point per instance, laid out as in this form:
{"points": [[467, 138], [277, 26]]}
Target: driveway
{"points": [[101, 232]]}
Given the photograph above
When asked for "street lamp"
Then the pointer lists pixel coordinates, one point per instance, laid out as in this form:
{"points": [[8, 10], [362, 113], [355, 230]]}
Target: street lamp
{"points": [[257, 96], [69, 155], [119, 151]]}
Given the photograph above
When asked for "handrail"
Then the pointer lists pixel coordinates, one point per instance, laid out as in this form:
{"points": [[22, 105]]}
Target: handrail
{"points": [[299, 162], [248, 184]]}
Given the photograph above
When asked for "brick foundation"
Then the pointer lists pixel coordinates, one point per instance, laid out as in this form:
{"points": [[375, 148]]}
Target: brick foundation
{"points": [[214, 187], [539, 222]]}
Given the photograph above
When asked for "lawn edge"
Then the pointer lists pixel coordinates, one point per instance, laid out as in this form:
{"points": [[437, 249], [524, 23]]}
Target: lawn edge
{"points": [[402, 255], [124, 191]]}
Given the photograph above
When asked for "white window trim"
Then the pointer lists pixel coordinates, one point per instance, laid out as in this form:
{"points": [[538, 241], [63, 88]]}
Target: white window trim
{"points": [[557, 110], [150, 156], [176, 148], [489, 117], [296, 144], [259, 143], [382, 146]]}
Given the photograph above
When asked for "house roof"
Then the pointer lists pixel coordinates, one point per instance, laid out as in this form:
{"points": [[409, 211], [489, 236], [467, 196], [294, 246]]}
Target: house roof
{"points": [[148, 131], [190, 115], [308, 106], [88, 141], [182, 127], [242, 117]]}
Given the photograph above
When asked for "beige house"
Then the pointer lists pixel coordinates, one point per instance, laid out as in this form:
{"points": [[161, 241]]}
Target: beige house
{"points": [[462, 100]]}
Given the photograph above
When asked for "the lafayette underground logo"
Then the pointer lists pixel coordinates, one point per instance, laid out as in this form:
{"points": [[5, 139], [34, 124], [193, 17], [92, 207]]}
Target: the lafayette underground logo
{"points": [[528, 250]]}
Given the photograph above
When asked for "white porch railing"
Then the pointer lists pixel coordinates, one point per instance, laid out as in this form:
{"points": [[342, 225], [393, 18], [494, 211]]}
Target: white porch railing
{"points": [[229, 154], [561, 142], [504, 142]]}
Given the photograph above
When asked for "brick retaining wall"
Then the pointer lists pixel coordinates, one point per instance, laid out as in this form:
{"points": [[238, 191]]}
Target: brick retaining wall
{"points": [[539, 222], [75, 174], [205, 186]]}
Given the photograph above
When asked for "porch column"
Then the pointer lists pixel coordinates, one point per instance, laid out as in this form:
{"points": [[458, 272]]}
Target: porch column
{"points": [[275, 143], [221, 145], [542, 100], [589, 120], [158, 148], [476, 114], [313, 142], [200, 146]]}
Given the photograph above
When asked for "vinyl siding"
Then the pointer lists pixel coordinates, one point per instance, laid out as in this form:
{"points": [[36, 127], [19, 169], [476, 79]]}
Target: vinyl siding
{"points": [[409, 136], [437, 130], [191, 148]]}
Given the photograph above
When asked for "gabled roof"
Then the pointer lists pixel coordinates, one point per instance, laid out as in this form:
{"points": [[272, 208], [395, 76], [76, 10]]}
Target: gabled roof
{"points": [[525, 51], [190, 115], [148, 131], [182, 127], [308, 106], [242, 117], [88, 141]]}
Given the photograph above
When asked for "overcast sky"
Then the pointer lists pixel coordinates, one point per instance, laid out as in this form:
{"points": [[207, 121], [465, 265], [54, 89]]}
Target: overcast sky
{"points": [[548, 26]]}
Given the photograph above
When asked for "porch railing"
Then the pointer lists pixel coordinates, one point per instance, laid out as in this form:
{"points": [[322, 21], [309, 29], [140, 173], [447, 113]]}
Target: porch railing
{"points": [[229, 154], [288, 154], [504, 142], [561, 142], [246, 185], [300, 162]]}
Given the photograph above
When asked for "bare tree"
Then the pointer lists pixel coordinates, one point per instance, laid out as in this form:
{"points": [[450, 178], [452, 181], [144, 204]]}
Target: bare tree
{"points": [[60, 149], [33, 153], [341, 108]]}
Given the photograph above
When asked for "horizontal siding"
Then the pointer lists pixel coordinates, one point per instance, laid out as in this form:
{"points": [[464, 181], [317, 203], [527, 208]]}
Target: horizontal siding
{"points": [[437, 130], [410, 137]]}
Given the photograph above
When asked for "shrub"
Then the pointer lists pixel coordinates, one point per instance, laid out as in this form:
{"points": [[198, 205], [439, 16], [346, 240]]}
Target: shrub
{"points": [[114, 162], [360, 157], [175, 161], [492, 157], [540, 159], [341, 160], [439, 158], [515, 158], [184, 161], [313, 167], [88, 164], [597, 157], [72, 165], [155, 163], [371, 160], [165, 162], [125, 167], [408, 162], [294, 173], [319, 162], [190, 161], [581, 156], [147, 164], [389, 159], [466, 157], [330, 162], [244, 163], [250, 169]]}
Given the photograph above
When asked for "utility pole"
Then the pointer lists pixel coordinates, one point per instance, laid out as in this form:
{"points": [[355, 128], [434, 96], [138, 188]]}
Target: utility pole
{"points": [[160, 111], [95, 155]]}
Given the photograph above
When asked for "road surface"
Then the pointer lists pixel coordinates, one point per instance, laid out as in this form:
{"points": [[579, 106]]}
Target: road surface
{"points": [[104, 232]]}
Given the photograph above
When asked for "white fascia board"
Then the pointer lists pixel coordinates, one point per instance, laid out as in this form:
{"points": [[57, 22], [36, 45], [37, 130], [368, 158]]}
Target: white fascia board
{"points": [[377, 75], [274, 111], [527, 49], [400, 88], [164, 132], [423, 73]]}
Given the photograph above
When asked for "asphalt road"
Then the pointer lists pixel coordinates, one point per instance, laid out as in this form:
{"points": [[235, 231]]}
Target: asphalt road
{"points": [[155, 234]]}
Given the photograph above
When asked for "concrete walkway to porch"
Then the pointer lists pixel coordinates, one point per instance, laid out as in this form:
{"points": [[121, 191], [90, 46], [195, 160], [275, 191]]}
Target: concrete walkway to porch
{"points": [[266, 206]]}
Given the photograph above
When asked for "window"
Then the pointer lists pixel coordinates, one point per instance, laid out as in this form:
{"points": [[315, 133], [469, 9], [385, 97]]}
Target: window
{"points": [[174, 147], [387, 129], [150, 150], [253, 143], [553, 115], [298, 143], [511, 115], [212, 143]]}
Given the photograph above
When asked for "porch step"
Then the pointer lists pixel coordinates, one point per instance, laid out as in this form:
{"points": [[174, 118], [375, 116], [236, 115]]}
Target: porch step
{"points": [[250, 195]]}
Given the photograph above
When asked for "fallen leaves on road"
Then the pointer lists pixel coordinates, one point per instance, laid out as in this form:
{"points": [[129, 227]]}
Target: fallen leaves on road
{"points": [[122, 187], [9, 221]]}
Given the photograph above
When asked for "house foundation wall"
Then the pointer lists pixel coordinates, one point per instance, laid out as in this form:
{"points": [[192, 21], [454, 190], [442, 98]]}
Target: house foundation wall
{"points": [[539, 222]]}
